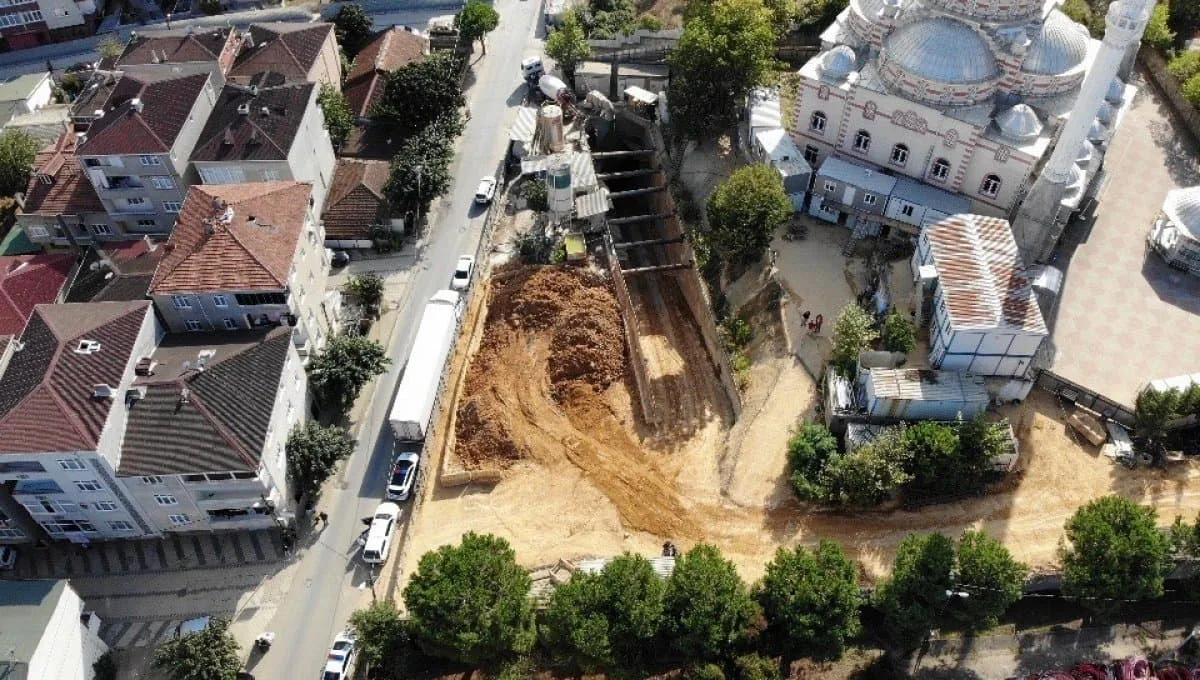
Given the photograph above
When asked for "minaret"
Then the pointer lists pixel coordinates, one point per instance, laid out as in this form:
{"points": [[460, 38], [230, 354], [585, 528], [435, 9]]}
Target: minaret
{"points": [[1042, 215]]}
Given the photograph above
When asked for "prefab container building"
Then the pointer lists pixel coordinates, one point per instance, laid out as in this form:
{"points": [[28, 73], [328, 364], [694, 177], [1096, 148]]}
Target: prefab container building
{"points": [[923, 394]]}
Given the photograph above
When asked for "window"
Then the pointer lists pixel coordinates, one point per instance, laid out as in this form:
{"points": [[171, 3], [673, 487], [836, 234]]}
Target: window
{"points": [[181, 302], [862, 141], [816, 122], [220, 301], [147, 224], [906, 210], [193, 325], [100, 229], [230, 325], [162, 182], [12, 532], [222, 176], [899, 154], [88, 485], [165, 499], [180, 520], [31, 17], [152, 161], [120, 525], [172, 206], [940, 170], [251, 299], [10, 20], [135, 200], [151, 480], [990, 186], [870, 199], [105, 506], [68, 526], [39, 232], [830, 187], [71, 464], [270, 175], [811, 154]]}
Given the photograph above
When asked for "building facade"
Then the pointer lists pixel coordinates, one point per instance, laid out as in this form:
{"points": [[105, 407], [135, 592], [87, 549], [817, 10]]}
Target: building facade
{"points": [[40, 22], [48, 632], [59, 188], [1176, 232]]}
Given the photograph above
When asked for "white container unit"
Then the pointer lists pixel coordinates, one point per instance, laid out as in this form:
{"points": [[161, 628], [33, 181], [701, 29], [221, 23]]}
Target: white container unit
{"points": [[423, 372], [923, 394]]}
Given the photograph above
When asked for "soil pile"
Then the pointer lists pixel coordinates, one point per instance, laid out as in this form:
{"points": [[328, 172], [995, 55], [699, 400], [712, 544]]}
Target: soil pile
{"points": [[588, 345], [484, 439]]}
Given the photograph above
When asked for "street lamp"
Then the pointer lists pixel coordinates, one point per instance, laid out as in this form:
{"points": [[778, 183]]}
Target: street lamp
{"points": [[168, 21], [419, 168]]}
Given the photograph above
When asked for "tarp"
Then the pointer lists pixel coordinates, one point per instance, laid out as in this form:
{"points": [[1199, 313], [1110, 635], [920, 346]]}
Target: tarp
{"points": [[641, 95]]}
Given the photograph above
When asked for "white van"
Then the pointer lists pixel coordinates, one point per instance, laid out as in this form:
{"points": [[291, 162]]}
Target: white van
{"points": [[379, 536]]}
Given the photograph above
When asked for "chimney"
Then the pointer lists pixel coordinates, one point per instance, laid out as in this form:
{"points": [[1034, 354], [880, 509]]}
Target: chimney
{"points": [[244, 109], [151, 244], [184, 395], [137, 104], [228, 140], [253, 90], [145, 366], [101, 391], [266, 111]]}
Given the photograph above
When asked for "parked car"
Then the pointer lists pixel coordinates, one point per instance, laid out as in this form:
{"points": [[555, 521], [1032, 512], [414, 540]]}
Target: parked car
{"points": [[404, 475], [379, 536], [8, 558], [462, 273], [486, 190], [340, 662]]}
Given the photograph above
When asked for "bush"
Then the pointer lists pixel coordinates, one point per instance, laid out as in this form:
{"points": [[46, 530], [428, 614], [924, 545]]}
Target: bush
{"points": [[899, 334], [809, 451], [1191, 90], [1184, 66], [757, 667], [520, 668], [105, 667], [1158, 34], [853, 332], [707, 671], [737, 332], [649, 22], [537, 196], [368, 288], [864, 477]]}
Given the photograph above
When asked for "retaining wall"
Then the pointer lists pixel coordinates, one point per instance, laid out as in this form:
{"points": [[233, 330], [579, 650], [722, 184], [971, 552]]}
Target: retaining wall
{"points": [[1155, 67]]}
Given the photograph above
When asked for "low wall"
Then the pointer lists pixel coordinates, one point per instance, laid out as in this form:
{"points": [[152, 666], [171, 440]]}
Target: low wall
{"points": [[1155, 67], [637, 360]]}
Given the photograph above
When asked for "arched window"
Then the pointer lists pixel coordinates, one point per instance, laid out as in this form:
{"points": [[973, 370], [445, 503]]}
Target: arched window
{"points": [[990, 186], [817, 122], [899, 154], [940, 170], [862, 141]]}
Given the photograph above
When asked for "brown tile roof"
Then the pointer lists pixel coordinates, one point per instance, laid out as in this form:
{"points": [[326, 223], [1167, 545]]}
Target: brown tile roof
{"points": [[46, 401], [388, 51], [166, 102], [356, 199], [95, 94], [257, 135], [372, 142], [982, 277], [27, 281], [123, 270], [69, 192], [252, 250], [223, 425], [178, 47], [286, 48]]}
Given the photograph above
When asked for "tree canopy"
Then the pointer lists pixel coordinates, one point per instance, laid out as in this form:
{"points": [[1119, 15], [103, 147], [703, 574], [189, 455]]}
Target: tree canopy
{"points": [[990, 576], [727, 48], [706, 607], [17, 153], [470, 603], [1183, 18], [383, 640], [744, 212], [339, 119], [420, 93], [209, 654], [421, 168], [853, 332], [476, 20], [809, 450], [899, 334], [344, 366], [568, 45], [1114, 552], [353, 28], [811, 600], [920, 584], [313, 451]]}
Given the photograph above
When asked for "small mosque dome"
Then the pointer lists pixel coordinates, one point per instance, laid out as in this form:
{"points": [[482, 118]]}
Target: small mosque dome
{"points": [[838, 62], [1019, 123]]}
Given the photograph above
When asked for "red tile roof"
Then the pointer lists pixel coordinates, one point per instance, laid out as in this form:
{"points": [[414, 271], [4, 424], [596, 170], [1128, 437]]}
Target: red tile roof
{"points": [[356, 199], [233, 136], [234, 237], [166, 102], [288, 49], [27, 281], [69, 192], [388, 51], [981, 274], [46, 401], [178, 47]]}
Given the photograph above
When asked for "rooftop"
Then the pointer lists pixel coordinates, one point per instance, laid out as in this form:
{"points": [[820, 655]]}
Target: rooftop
{"points": [[46, 394], [234, 237], [221, 424], [46, 124], [122, 271], [289, 49], [389, 50], [982, 277], [16, 88], [68, 191], [921, 384], [144, 114], [356, 199], [859, 176], [174, 47], [258, 127], [27, 281], [26, 608]]}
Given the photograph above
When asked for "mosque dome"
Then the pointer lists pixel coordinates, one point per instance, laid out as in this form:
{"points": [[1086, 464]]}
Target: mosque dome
{"points": [[1058, 46], [939, 61], [838, 62], [1084, 157], [1182, 207], [1007, 11], [1097, 133], [1019, 123], [1105, 113], [1116, 92]]}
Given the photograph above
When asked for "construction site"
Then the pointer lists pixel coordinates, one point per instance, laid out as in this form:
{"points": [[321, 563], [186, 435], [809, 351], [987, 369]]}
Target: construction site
{"points": [[593, 410]]}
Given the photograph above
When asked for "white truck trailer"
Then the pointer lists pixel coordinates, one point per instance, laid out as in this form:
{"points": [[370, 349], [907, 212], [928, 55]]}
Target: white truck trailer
{"points": [[418, 389]]}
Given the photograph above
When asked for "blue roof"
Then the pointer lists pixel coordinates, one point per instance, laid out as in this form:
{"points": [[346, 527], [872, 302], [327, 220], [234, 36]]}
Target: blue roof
{"points": [[930, 196], [857, 175]]}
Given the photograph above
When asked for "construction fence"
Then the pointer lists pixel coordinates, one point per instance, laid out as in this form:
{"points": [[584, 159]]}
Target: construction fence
{"points": [[1082, 396]]}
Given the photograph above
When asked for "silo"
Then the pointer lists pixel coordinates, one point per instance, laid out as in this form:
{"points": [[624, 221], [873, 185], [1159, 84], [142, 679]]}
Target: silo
{"points": [[552, 127], [558, 184]]}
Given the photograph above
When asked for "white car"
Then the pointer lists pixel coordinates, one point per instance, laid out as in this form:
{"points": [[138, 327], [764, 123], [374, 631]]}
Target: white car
{"points": [[462, 273], [8, 558], [338, 665], [404, 473], [379, 536], [486, 190]]}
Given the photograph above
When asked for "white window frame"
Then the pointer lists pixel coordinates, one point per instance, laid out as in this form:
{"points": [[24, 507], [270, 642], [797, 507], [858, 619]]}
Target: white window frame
{"points": [[150, 161], [220, 301], [181, 302], [230, 325], [151, 480], [100, 229], [120, 526], [907, 210], [147, 223], [32, 17], [899, 155], [223, 175], [180, 520], [870, 199], [172, 206], [165, 499], [105, 506], [73, 464], [817, 122], [89, 485], [940, 175], [862, 141], [830, 187], [135, 200], [990, 186], [193, 325], [162, 182]]}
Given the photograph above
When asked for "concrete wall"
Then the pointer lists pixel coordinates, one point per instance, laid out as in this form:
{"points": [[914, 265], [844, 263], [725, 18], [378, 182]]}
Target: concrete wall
{"points": [[67, 648], [328, 67], [311, 157], [1156, 68]]}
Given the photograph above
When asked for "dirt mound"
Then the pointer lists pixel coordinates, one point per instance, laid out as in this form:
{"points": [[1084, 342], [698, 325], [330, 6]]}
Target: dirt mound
{"points": [[533, 297], [483, 438], [588, 345]]}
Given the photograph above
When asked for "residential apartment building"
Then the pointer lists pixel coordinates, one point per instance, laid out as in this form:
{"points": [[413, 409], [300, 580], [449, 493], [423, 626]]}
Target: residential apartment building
{"points": [[389, 50], [247, 256], [47, 632], [358, 211], [24, 94], [25, 282], [185, 51], [57, 188], [267, 134], [137, 148], [272, 54], [31, 23]]}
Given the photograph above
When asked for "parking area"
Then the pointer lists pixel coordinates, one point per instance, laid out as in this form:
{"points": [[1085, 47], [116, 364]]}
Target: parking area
{"points": [[1124, 317]]}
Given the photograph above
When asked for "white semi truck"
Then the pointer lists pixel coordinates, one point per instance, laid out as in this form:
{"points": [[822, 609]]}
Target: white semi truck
{"points": [[418, 389]]}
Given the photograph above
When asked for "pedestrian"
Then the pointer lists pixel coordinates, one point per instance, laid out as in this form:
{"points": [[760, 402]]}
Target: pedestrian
{"points": [[324, 517], [817, 323], [805, 316]]}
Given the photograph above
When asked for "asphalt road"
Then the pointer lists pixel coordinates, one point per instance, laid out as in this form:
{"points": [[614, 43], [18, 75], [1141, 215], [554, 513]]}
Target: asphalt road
{"points": [[330, 582]]}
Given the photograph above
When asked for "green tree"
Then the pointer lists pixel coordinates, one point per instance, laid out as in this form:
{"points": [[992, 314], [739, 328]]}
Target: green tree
{"points": [[1183, 17], [313, 451], [706, 608], [818, 13], [811, 447], [343, 367], [918, 589], [576, 629], [17, 153], [783, 13], [1191, 90], [979, 442], [757, 667], [932, 458], [868, 475], [339, 119], [71, 85], [1079, 11], [368, 288], [353, 28], [105, 668], [1158, 32], [853, 332], [1153, 410], [705, 671], [421, 168], [990, 576], [568, 46], [110, 46], [418, 94], [536, 195], [744, 212], [476, 20], [1114, 551], [899, 334], [209, 654], [727, 48], [383, 640], [811, 600], [1184, 65], [470, 602]]}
